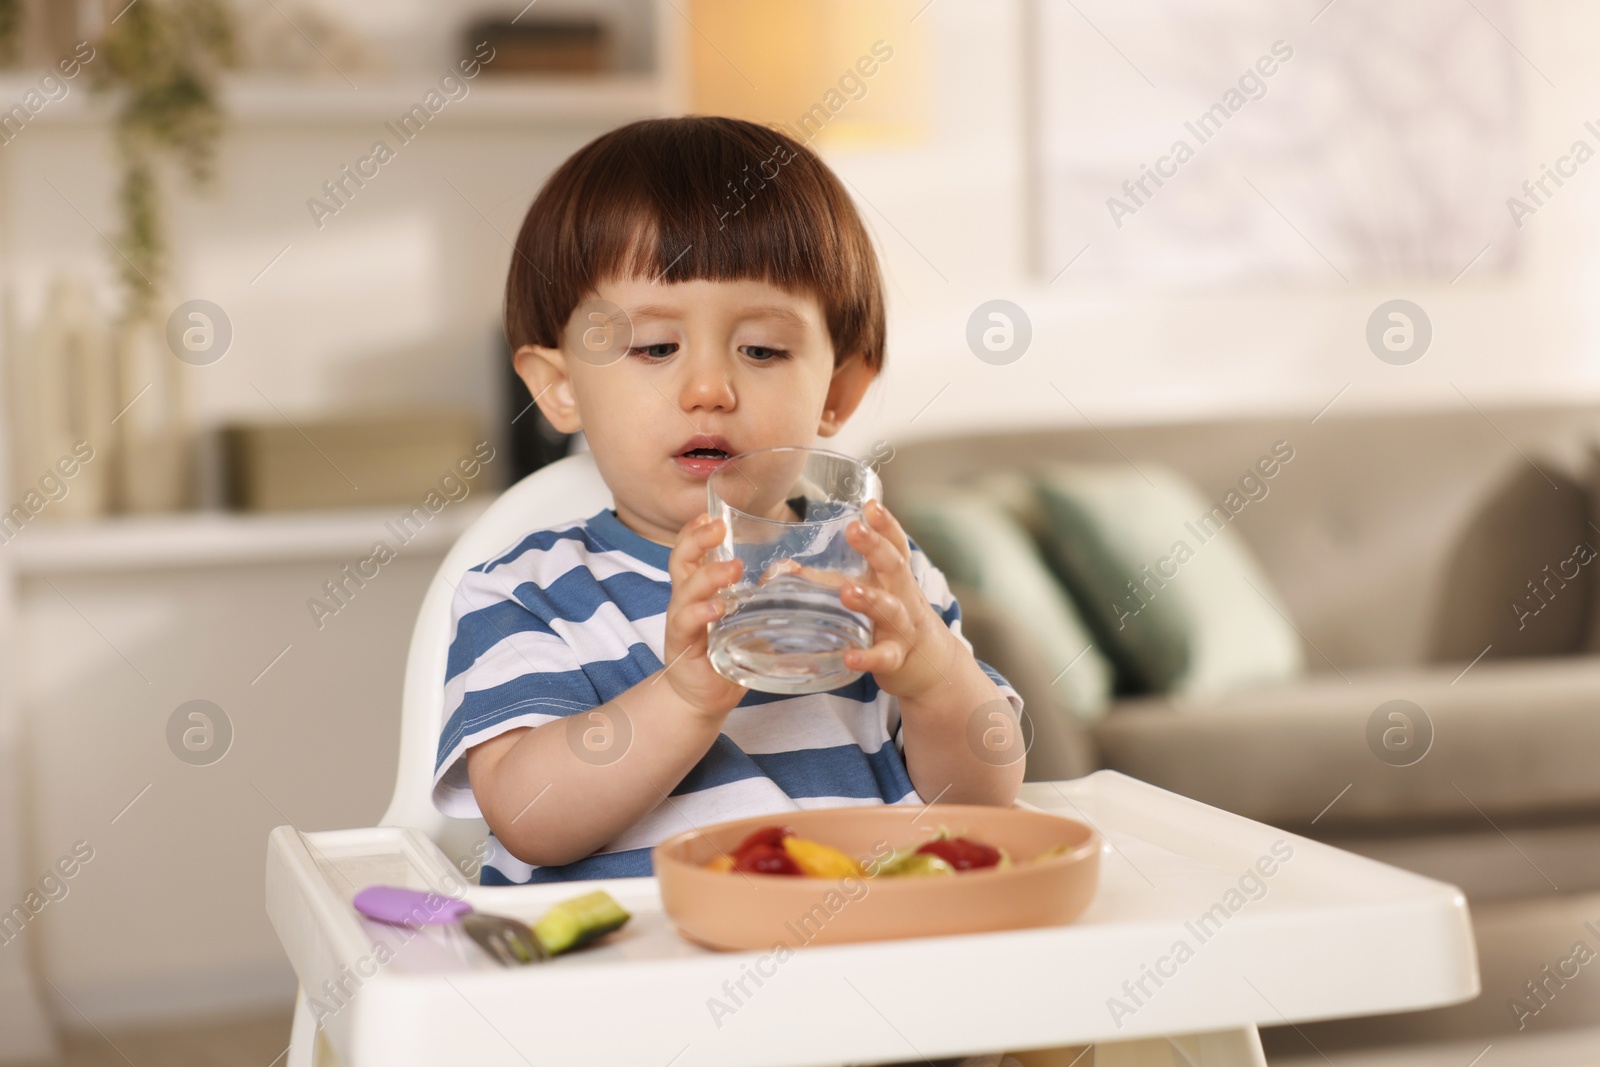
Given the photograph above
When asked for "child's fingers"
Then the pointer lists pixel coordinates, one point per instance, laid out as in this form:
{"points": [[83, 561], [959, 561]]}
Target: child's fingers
{"points": [[889, 564], [706, 580], [885, 657], [779, 567], [694, 541], [887, 611], [879, 518], [686, 625], [820, 575]]}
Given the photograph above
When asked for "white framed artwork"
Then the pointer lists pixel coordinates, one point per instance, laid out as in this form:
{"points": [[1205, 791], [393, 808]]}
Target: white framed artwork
{"points": [[1213, 142]]}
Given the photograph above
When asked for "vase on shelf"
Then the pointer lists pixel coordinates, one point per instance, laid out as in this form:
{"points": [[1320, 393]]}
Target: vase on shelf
{"points": [[65, 404], [152, 449]]}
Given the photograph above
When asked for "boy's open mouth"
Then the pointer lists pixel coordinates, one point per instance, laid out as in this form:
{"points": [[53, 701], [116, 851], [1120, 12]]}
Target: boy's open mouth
{"points": [[702, 454]]}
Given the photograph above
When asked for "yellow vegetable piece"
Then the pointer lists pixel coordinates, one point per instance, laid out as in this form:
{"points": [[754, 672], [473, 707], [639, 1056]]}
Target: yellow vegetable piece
{"points": [[817, 860], [721, 863]]}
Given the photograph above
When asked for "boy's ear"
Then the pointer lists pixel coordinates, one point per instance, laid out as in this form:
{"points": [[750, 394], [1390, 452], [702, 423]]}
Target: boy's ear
{"points": [[544, 372], [850, 380]]}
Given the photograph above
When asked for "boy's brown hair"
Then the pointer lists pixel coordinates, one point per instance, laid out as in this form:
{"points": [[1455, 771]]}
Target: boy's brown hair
{"points": [[682, 199]]}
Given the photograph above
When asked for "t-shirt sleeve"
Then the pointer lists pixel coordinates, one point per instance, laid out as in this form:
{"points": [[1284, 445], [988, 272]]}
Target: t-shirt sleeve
{"points": [[506, 668], [937, 590]]}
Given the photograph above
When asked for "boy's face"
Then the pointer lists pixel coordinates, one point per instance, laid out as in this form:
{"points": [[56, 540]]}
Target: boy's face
{"points": [[744, 363]]}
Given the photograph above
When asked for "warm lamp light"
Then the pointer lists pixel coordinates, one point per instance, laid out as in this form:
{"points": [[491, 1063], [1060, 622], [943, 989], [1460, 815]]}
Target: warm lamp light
{"points": [[835, 71]]}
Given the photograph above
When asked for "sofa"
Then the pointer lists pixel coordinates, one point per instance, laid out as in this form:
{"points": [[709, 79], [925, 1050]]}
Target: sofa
{"points": [[1428, 557]]}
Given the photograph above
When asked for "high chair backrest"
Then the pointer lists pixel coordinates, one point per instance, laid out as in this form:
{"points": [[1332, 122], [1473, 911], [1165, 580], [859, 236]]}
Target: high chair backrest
{"points": [[569, 488]]}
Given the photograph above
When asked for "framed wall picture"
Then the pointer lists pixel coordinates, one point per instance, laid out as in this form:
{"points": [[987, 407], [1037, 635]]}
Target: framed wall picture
{"points": [[1184, 143]]}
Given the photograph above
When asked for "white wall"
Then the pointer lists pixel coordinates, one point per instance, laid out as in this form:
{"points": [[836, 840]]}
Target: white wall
{"points": [[1132, 356]]}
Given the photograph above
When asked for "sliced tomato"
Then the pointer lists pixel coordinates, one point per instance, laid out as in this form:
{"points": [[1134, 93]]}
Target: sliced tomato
{"points": [[963, 853], [766, 835], [765, 859]]}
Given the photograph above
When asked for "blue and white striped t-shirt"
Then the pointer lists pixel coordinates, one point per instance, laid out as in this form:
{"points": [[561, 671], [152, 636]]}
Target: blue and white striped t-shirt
{"points": [[573, 615]]}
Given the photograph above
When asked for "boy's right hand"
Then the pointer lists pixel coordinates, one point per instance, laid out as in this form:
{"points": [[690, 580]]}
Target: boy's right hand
{"points": [[693, 605]]}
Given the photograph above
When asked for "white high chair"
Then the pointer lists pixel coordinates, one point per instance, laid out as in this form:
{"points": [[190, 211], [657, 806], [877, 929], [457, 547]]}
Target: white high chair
{"points": [[569, 488], [1339, 935]]}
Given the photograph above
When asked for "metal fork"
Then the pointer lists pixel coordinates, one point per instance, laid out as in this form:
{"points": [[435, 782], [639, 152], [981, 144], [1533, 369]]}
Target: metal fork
{"points": [[509, 942]]}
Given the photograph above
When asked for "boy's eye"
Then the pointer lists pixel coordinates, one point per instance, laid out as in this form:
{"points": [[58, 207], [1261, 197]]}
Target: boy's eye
{"points": [[660, 351], [763, 353]]}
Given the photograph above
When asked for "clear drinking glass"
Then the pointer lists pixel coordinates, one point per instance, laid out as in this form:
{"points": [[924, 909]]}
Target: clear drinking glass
{"points": [[783, 629]]}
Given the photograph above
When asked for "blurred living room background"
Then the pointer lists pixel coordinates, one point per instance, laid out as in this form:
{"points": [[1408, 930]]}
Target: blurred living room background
{"points": [[1320, 269]]}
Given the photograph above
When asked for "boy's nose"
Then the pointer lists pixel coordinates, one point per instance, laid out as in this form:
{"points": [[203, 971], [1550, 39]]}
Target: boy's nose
{"points": [[707, 385]]}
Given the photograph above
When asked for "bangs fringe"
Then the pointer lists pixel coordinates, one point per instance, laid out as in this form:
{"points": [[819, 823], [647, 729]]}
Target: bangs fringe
{"points": [[692, 199]]}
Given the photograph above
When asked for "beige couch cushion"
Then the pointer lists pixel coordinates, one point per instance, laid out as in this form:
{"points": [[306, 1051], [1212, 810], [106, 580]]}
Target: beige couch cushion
{"points": [[1059, 745], [978, 543], [1515, 575], [1394, 539], [1173, 591], [1510, 739]]}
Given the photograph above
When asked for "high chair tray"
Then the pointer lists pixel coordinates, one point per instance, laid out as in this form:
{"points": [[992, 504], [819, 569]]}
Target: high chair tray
{"points": [[1204, 922]]}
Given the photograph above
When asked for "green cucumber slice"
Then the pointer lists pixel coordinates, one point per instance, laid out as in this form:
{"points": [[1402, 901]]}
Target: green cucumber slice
{"points": [[574, 923], [914, 865]]}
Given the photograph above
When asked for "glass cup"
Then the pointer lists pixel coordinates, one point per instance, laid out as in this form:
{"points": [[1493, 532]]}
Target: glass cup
{"points": [[783, 628]]}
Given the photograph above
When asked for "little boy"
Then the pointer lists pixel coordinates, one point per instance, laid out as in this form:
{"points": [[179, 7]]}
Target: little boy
{"points": [[584, 720]]}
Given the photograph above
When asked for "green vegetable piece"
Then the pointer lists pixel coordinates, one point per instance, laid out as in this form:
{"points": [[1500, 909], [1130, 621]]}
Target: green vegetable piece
{"points": [[914, 865], [876, 867], [574, 923]]}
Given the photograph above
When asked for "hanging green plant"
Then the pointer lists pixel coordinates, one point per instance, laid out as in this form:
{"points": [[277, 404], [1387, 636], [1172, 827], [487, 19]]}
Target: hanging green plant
{"points": [[10, 32], [166, 56]]}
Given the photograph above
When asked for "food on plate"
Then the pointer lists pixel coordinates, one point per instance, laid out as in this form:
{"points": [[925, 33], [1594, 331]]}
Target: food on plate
{"points": [[817, 860], [963, 853], [778, 850], [947, 853], [911, 863], [765, 859], [766, 835]]}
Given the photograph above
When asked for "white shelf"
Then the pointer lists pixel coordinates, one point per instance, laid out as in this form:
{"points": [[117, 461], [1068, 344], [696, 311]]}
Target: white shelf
{"points": [[545, 100], [538, 100], [210, 539]]}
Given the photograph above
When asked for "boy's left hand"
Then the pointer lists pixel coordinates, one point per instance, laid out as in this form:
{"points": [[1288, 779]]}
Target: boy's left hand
{"points": [[913, 650]]}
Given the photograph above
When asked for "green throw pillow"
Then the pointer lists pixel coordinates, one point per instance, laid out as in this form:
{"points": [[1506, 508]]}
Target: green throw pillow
{"points": [[1171, 588], [976, 543]]}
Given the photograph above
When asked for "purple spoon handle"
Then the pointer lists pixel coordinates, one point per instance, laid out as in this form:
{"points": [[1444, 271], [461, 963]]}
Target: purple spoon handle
{"points": [[409, 907]]}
